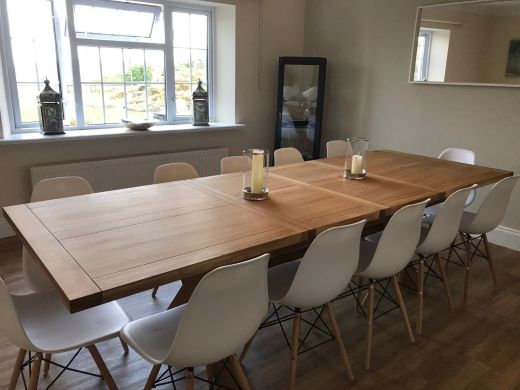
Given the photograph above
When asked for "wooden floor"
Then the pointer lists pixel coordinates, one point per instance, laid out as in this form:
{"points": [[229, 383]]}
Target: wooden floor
{"points": [[475, 347]]}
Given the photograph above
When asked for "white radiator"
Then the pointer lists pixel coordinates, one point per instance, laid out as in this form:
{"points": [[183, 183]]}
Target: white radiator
{"points": [[117, 173]]}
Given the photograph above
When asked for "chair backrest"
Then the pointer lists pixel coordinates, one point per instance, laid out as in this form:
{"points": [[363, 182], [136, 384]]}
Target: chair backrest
{"points": [[465, 156], [234, 164], [336, 148], [60, 187], [173, 172], [223, 313], [446, 223], [326, 268], [287, 156], [398, 242], [9, 323], [494, 206], [458, 155]]}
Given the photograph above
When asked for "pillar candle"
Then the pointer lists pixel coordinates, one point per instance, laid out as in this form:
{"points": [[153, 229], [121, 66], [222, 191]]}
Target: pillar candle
{"points": [[257, 172], [357, 165]]}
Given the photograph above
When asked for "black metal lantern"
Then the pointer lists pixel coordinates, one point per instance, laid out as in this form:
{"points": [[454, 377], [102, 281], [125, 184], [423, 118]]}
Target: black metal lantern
{"points": [[50, 111], [200, 107]]}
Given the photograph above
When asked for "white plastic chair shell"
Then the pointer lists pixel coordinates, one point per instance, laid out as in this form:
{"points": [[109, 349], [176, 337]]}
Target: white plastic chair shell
{"points": [[465, 156], [223, 313], [396, 246], [173, 172], [54, 188], [324, 271], [492, 210], [285, 156], [336, 148], [234, 164], [446, 223]]}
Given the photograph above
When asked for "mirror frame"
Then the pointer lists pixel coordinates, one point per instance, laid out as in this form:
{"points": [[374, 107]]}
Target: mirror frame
{"points": [[415, 41]]}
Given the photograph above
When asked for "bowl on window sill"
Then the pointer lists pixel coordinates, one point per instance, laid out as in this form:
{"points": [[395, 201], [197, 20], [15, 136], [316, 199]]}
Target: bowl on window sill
{"points": [[139, 126]]}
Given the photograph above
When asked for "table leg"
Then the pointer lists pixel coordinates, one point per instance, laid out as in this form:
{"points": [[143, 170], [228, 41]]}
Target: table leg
{"points": [[184, 293]]}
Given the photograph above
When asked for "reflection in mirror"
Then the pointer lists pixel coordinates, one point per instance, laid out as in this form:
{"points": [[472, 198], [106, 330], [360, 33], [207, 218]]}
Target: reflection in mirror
{"points": [[468, 43]]}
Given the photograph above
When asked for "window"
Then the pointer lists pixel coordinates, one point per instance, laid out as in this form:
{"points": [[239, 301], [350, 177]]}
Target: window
{"points": [[423, 55], [110, 59]]}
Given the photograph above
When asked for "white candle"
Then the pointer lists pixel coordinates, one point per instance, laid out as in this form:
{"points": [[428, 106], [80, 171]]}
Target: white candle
{"points": [[257, 172], [357, 165]]}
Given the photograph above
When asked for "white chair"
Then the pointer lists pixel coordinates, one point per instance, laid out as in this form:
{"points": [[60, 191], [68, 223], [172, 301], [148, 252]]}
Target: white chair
{"points": [[465, 156], [39, 323], [223, 313], [285, 156], [55, 188], [475, 226], [388, 258], [234, 164], [315, 280], [173, 172], [336, 148]]}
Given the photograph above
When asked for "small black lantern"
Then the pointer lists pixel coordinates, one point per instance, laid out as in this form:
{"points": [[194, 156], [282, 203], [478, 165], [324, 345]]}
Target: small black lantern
{"points": [[200, 107], [50, 111]]}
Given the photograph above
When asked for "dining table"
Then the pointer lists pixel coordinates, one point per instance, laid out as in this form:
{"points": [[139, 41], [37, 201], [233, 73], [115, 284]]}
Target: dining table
{"points": [[109, 245]]}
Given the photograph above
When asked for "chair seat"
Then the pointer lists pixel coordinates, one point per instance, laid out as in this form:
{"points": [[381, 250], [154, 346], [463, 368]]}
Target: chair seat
{"points": [[51, 328], [366, 253], [152, 337], [280, 279]]}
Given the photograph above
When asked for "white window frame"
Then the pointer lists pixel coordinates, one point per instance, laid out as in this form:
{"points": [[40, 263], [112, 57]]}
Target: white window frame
{"points": [[167, 47]]}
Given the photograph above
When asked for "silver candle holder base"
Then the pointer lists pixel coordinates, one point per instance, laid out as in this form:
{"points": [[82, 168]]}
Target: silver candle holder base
{"points": [[248, 195], [354, 176]]}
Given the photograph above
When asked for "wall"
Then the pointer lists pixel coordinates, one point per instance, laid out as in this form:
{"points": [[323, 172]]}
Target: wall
{"points": [[255, 91], [368, 44]]}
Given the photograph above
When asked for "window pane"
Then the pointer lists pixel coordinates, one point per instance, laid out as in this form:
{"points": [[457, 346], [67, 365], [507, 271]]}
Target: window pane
{"points": [[181, 29], [114, 103], [24, 59], [199, 31], [156, 102], [134, 66], [155, 66], [182, 65], [118, 21], [92, 104], [28, 104], [89, 64], [198, 65], [183, 95], [112, 64], [136, 102]]}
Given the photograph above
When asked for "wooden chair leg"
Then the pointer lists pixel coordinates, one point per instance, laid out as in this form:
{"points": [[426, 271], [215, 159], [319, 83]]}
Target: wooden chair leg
{"points": [[47, 363], [190, 380], [124, 345], [445, 285], [467, 265], [152, 377], [490, 260], [420, 296], [154, 291], [16, 369], [100, 363], [295, 344], [339, 340], [246, 348], [239, 373], [368, 352], [403, 309], [35, 373]]}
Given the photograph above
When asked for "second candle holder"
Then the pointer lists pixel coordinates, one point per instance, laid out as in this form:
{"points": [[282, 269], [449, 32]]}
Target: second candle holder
{"points": [[255, 179]]}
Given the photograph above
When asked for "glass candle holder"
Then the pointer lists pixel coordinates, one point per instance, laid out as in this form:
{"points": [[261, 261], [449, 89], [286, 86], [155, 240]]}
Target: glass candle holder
{"points": [[355, 158], [255, 179]]}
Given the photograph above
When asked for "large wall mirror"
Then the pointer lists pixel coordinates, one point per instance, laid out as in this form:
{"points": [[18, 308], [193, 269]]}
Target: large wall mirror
{"points": [[474, 42]]}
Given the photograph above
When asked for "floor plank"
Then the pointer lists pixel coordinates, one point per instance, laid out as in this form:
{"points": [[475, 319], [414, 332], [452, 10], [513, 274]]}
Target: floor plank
{"points": [[475, 347]]}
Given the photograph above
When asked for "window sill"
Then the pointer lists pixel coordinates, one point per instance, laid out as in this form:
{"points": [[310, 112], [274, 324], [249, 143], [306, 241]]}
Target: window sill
{"points": [[73, 135]]}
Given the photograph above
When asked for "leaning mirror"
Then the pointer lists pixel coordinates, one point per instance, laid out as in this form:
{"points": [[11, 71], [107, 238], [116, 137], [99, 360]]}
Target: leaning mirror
{"points": [[470, 43]]}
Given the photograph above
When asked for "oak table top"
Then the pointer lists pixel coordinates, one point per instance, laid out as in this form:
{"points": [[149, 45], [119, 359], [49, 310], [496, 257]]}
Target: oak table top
{"points": [[109, 245]]}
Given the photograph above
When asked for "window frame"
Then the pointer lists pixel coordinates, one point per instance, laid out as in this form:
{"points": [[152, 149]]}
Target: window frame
{"points": [[427, 34], [169, 7]]}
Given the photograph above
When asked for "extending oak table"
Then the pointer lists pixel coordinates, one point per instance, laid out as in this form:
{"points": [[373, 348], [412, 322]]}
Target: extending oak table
{"points": [[109, 245]]}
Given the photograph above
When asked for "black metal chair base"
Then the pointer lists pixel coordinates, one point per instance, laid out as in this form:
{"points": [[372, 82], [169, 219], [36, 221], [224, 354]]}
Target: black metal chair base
{"points": [[475, 250], [53, 363]]}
